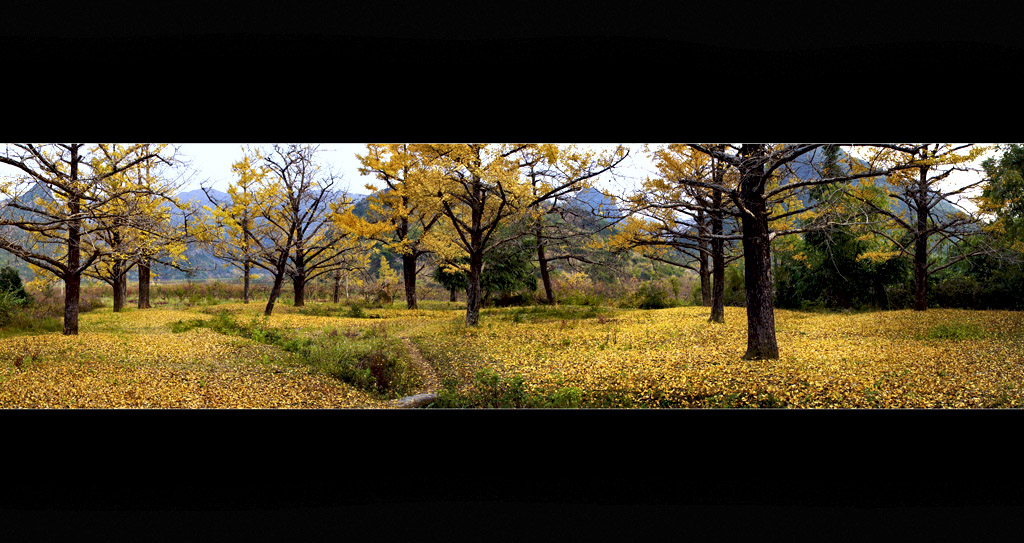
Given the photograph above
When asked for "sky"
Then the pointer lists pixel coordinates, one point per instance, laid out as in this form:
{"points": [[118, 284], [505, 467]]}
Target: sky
{"points": [[211, 163]]}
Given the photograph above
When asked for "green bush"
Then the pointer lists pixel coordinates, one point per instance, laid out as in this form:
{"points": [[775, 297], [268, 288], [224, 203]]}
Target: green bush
{"points": [[582, 298], [651, 296], [355, 311], [488, 389], [375, 362], [317, 310], [10, 282], [10, 303], [567, 397]]}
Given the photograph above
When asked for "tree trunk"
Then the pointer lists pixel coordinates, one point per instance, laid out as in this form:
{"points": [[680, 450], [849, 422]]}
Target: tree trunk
{"points": [[757, 263], [542, 261], [705, 277], [144, 277], [72, 291], [703, 270], [409, 276], [920, 273], [73, 275], [717, 263], [545, 274], [921, 246], [299, 288], [453, 295], [761, 341], [275, 291], [473, 292], [246, 278], [299, 278], [119, 282], [336, 295]]}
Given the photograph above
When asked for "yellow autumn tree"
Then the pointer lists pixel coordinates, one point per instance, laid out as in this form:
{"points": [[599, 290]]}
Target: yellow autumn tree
{"points": [[566, 207], [482, 192], [684, 224], [53, 198], [399, 213], [921, 208], [136, 226], [231, 236]]}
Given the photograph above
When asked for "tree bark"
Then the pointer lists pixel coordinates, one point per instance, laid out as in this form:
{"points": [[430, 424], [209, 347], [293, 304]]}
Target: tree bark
{"points": [[118, 284], [275, 291], [299, 289], [72, 291], [705, 277], [144, 278], [703, 270], [73, 275], [453, 295], [299, 278], [336, 295], [717, 262], [545, 274], [409, 276], [246, 279], [473, 292], [921, 246], [542, 261], [761, 341]]}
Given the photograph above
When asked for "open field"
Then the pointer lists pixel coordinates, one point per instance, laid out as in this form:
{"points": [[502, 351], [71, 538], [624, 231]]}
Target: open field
{"points": [[224, 356]]}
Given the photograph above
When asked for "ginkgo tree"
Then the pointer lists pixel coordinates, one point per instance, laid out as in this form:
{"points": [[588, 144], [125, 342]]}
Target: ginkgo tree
{"points": [[920, 208], [690, 220], [401, 214], [136, 226], [291, 231], [481, 187], [229, 236], [765, 196], [563, 220], [53, 193]]}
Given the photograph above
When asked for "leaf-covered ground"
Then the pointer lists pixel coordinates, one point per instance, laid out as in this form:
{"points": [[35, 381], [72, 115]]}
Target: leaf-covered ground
{"points": [[132, 359], [614, 358], [674, 358]]}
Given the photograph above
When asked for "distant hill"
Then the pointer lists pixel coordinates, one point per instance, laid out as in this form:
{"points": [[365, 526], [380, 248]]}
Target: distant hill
{"points": [[593, 200], [808, 166], [206, 265]]}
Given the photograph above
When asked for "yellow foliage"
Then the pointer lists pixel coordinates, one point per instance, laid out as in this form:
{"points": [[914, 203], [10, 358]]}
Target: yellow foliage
{"points": [[878, 256]]}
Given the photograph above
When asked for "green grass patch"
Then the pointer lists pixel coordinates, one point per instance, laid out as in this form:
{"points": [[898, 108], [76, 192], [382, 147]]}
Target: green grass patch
{"points": [[489, 389], [956, 331], [373, 361], [540, 313]]}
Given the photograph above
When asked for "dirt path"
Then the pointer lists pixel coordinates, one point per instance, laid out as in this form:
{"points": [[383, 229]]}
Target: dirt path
{"points": [[431, 384]]}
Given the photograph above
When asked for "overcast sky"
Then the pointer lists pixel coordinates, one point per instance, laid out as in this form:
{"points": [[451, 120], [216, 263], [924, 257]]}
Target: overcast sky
{"points": [[211, 163]]}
